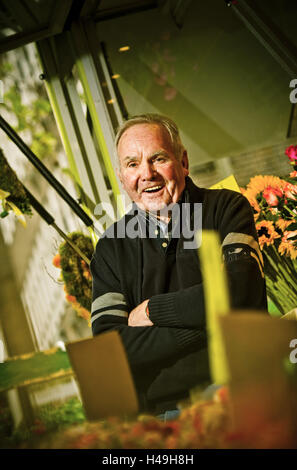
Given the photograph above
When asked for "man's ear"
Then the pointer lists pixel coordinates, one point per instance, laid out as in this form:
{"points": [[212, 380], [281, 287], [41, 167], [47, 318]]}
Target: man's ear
{"points": [[185, 162]]}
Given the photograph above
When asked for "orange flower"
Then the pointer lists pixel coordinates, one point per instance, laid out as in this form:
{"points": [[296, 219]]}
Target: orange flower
{"points": [[288, 247], [57, 261], [84, 313], [256, 216], [283, 224], [87, 275], [293, 174], [70, 298], [266, 233]]}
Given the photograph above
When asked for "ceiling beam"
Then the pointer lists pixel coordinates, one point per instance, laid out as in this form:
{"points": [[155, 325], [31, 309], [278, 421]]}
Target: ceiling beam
{"points": [[32, 31], [126, 9]]}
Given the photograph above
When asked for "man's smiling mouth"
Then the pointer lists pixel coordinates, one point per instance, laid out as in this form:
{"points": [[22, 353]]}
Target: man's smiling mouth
{"points": [[153, 189]]}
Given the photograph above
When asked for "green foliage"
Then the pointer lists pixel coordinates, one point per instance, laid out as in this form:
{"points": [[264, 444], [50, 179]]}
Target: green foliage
{"points": [[9, 182], [57, 416], [35, 118], [6, 68], [50, 418]]}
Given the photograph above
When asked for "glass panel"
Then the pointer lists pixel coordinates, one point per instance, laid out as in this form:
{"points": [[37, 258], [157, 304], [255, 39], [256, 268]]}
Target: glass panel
{"points": [[210, 74]]}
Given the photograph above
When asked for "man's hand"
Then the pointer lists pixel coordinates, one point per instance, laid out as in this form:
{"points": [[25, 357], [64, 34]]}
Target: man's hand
{"points": [[138, 316]]}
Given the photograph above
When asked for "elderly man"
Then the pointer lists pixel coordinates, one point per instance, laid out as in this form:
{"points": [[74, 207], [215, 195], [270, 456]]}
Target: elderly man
{"points": [[147, 282]]}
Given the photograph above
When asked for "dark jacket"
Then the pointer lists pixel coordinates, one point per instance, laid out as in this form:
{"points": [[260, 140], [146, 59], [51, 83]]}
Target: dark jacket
{"points": [[170, 358]]}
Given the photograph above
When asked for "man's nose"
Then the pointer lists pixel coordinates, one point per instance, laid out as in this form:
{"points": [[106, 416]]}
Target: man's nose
{"points": [[147, 170]]}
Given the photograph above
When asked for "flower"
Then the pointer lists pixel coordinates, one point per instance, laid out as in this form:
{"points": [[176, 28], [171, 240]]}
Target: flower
{"points": [[70, 298], [290, 191], [291, 151], [288, 246], [282, 224], [84, 313], [256, 216], [57, 261], [75, 273], [87, 274], [266, 233], [258, 184], [271, 195], [274, 203]]}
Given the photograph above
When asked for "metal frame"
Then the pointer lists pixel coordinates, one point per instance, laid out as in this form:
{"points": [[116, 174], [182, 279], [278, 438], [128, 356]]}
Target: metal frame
{"points": [[102, 124], [34, 30], [82, 140]]}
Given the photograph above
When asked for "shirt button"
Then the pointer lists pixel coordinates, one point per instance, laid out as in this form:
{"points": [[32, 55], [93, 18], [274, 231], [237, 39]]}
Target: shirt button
{"points": [[156, 232], [164, 244]]}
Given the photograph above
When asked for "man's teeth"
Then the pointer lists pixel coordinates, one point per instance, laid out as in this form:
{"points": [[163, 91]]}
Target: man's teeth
{"points": [[153, 188]]}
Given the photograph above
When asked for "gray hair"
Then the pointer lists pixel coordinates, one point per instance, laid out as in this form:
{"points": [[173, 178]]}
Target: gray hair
{"points": [[162, 121]]}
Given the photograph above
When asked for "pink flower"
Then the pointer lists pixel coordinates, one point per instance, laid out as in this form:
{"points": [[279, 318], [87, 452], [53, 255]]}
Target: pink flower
{"points": [[290, 191], [292, 153], [271, 195]]}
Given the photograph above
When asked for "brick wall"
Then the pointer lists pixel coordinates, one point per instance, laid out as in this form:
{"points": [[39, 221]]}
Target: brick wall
{"points": [[266, 161]]}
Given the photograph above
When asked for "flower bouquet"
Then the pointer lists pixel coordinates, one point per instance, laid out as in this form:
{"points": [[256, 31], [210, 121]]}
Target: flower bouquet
{"points": [[75, 273], [274, 201]]}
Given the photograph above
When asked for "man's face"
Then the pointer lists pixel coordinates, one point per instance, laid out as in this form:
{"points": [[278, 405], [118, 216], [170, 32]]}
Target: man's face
{"points": [[149, 170]]}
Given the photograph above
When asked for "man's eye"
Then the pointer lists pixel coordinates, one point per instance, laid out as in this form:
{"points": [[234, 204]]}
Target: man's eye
{"points": [[132, 165], [159, 159]]}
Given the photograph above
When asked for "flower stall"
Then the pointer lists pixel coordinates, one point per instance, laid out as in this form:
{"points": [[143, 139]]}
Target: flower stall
{"points": [[205, 422], [274, 202]]}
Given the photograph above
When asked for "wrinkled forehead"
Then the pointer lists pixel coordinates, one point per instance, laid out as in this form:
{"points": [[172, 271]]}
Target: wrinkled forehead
{"points": [[144, 133], [144, 139]]}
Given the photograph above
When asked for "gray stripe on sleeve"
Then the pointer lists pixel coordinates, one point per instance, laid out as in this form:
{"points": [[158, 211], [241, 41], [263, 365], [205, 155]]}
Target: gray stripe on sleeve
{"points": [[107, 300], [117, 313]]}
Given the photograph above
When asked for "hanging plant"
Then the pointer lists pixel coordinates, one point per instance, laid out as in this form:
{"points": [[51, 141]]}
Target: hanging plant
{"points": [[75, 273], [274, 201], [12, 193]]}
